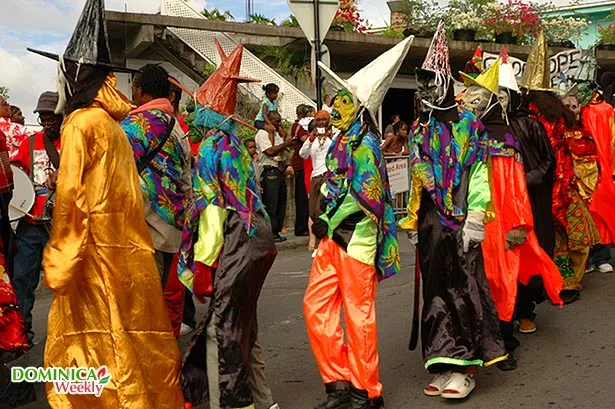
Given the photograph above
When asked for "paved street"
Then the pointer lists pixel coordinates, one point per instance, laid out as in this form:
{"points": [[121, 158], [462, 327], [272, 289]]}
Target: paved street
{"points": [[566, 364]]}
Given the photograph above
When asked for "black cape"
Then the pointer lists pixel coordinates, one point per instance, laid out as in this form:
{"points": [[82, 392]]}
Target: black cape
{"points": [[539, 165]]}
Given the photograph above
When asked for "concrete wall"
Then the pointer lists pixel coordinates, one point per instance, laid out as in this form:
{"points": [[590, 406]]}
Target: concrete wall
{"points": [[124, 80]]}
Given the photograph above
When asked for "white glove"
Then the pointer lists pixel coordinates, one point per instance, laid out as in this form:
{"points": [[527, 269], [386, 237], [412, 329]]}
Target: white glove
{"points": [[473, 231], [413, 236]]}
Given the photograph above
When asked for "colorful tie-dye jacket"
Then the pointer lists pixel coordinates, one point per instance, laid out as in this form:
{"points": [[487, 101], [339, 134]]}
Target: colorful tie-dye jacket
{"points": [[357, 181], [439, 158], [161, 181], [224, 180]]}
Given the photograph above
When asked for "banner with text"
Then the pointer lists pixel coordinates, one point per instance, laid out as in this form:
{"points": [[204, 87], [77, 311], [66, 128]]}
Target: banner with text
{"points": [[565, 62]]}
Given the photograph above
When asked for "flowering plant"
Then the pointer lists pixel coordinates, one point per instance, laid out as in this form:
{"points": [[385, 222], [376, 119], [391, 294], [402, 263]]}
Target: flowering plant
{"points": [[465, 21], [348, 17], [560, 29], [465, 15], [607, 34], [515, 16]]}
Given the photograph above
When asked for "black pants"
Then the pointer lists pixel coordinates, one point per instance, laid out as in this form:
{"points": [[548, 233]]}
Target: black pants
{"points": [[164, 261], [273, 183], [600, 254], [301, 205], [524, 309], [6, 232], [189, 317]]}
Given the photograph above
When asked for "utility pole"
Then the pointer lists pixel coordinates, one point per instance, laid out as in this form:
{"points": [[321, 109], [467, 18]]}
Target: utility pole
{"points": [[315, 17], [317, 49]]}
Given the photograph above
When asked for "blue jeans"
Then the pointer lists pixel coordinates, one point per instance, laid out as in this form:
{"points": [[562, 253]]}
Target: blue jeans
{"points": [[31, 241], [599, 254]]}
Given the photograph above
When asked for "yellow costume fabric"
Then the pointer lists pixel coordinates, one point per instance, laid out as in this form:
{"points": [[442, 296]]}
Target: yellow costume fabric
{"points": [[108, 308]]}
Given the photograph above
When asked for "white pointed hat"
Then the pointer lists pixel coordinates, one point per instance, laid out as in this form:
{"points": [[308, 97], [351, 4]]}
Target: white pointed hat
{"points": [[371, 83], [507, 75]]}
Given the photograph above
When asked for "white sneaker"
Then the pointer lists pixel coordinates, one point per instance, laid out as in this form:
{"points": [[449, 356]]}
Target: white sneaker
{"points": [[590, 269], [185, 330], [436, 386], [459, 386], [275, 406], [314, 253], [605, 268]]}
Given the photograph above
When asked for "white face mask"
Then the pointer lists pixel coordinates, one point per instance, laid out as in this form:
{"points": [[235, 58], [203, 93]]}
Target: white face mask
{"points": [[61, 85]]}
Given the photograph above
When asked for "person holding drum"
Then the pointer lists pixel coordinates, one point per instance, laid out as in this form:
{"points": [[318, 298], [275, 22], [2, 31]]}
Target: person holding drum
{"points": [[39, 157]]}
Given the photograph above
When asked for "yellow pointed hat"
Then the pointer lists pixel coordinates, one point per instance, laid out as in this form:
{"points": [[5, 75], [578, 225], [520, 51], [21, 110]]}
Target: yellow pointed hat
{"points": [[537, 69], [488, 79]]}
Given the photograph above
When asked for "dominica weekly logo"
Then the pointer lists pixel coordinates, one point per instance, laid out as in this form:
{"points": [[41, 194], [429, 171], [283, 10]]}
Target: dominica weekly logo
{"points": [[66, 381]]}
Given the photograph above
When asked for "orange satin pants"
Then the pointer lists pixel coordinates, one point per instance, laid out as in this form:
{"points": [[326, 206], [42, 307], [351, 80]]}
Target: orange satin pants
{"points": [[338, 280]]}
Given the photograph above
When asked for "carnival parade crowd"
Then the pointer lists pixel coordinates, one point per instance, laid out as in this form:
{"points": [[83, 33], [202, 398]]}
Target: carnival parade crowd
{"points": [[139, 208]]}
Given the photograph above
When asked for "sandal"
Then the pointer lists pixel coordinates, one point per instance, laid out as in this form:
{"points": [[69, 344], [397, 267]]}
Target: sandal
{"points": [[459, 386], [436, 385]]}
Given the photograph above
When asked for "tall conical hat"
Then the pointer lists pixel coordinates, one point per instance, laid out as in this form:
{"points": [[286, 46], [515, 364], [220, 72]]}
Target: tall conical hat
{"points": [[371, 83], [507, 75], [489, 79], [537, 69], [475, 66], [219, 92], [437, 59], [89, 43]]}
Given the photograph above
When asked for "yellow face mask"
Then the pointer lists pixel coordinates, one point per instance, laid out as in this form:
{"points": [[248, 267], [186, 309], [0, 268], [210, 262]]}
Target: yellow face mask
{"points": [[343, 113]]}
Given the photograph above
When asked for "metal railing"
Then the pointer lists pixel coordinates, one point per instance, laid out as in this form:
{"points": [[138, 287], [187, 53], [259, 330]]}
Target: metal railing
{"points": [[202, 42]]}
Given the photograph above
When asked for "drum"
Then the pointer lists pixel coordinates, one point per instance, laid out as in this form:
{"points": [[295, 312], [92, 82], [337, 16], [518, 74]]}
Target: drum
{"points": [[23, 195]]}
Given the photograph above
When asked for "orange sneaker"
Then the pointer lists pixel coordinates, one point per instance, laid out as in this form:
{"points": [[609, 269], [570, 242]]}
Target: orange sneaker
{"points": [[527, 326]]}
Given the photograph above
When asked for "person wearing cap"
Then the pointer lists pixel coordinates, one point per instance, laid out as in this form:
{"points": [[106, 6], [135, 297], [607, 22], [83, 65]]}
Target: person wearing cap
{"points": [[39, 157], [15, 133], [108, 309], [358, 246], [446, 216]]}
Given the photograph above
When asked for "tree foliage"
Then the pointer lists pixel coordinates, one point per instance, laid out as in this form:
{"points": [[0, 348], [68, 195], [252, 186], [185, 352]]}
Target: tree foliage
{"points": [[261, 19], [294, 65], [215, 14], [4, 92], [291, 21]]}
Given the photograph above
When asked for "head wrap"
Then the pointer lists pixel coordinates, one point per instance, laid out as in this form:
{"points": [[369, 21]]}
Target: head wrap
{"points": [[322, 114]]}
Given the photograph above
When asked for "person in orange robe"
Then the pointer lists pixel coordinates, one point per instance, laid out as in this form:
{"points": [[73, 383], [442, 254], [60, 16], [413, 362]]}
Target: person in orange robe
{"points": [[598, 118], [511, 250]]}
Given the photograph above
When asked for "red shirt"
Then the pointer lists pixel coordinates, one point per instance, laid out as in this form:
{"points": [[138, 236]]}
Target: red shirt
{"points": [[42, 168]]}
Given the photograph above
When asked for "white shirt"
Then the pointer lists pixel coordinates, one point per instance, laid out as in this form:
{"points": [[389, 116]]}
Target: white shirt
{"points": [[318, 153], [262, 144]]}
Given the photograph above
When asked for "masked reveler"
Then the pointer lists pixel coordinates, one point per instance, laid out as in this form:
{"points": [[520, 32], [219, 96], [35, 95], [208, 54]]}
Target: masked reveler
{"points": [[227, 248], [538, 164], [597, 117], [108, 311], [511, 250], [359, 244], [446, 214], [575, 230]]}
